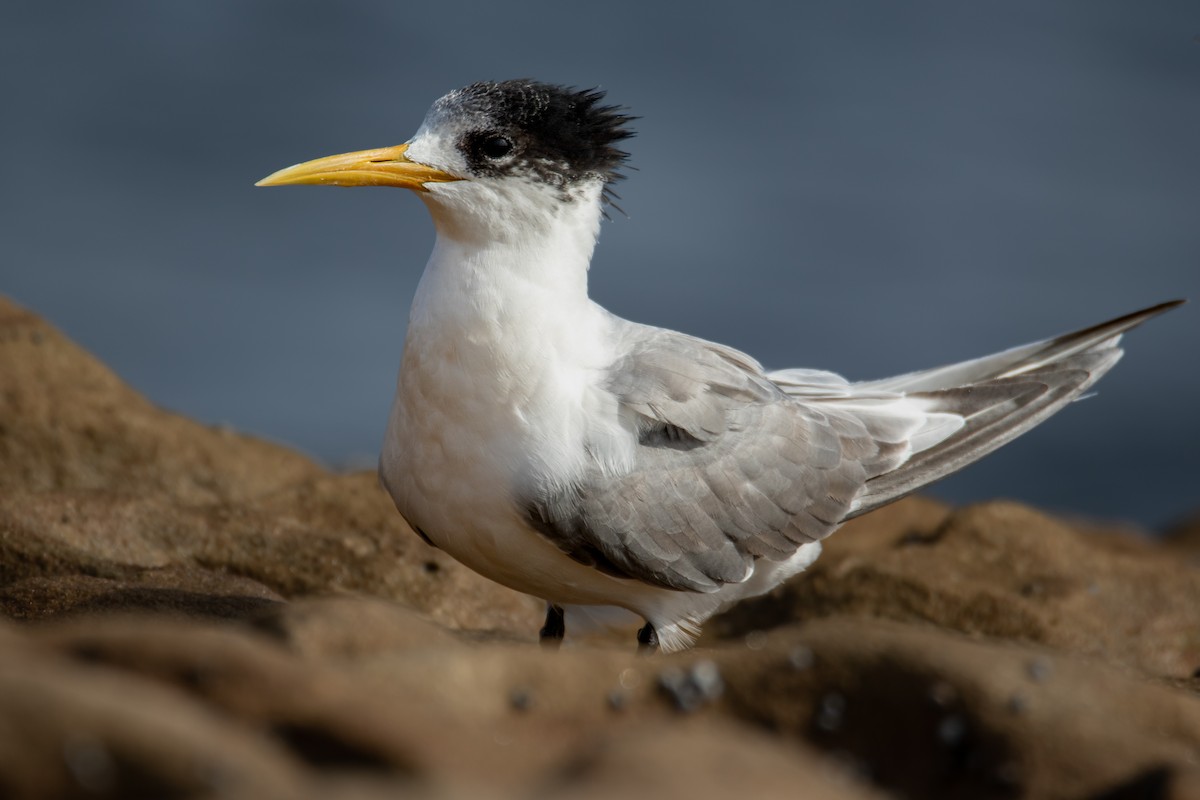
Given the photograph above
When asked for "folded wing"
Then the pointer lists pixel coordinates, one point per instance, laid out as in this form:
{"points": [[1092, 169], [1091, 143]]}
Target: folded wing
{"points": [[733, 464]]}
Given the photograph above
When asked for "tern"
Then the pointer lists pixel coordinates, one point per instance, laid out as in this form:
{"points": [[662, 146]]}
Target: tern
{"points": [[591, 461]]}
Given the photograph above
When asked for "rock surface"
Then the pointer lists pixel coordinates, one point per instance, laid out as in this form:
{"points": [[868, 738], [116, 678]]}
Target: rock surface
{"points": [[188, 612]]}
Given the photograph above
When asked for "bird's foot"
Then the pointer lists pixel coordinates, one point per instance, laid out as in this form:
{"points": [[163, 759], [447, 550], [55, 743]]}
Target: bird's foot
{"points": [[555, 627], [647, 640]]}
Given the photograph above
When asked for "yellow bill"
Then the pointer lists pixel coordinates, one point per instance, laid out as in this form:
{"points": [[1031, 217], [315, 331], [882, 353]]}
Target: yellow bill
{"points": [[387, 166]]}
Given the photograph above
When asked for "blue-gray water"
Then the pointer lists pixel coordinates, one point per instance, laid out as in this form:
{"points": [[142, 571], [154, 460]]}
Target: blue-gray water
{"points": [[869, 187]]}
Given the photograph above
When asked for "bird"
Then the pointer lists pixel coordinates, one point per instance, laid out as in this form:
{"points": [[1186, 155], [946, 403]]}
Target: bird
{"points": [[595, 462]]}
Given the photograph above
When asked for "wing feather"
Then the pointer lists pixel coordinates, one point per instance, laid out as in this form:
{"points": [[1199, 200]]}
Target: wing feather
{"points": [[728, 469]]}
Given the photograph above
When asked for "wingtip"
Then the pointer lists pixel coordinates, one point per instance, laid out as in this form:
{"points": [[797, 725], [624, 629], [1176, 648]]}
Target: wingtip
{"points": [[1158, 308], [1136, 318]]}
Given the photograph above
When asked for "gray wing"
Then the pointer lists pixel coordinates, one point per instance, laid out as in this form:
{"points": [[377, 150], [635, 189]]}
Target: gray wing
{"points": [[728, 468]]}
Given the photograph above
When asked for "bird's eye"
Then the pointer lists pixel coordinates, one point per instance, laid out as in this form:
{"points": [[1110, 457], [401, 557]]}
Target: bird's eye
{"points": [[496, 147]]}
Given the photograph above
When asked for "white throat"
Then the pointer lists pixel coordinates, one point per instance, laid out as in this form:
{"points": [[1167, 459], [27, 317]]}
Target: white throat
{"points": [[516, 231], [508, 272]]}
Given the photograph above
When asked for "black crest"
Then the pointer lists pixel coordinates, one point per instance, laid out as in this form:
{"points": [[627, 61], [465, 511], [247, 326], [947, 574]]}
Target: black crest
{"points": [[558, 134]]}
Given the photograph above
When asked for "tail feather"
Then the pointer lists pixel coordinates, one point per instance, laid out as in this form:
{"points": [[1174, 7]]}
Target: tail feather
{"points": [[999, 397], [1018, 359]]}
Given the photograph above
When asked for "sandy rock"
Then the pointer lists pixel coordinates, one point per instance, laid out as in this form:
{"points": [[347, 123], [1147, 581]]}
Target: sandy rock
{"points": [[351, 628], [70, 731], [711, 760], [176, 591], [66, 421], [315, 711], [827, 708], [931, 714]]}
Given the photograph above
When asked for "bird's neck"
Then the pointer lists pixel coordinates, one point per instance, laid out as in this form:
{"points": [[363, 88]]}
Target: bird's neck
{"points": [[523, 261]]}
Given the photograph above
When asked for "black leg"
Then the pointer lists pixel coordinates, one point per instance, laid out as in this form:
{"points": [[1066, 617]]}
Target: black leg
{"points": [[555, 628], [647, 640]]}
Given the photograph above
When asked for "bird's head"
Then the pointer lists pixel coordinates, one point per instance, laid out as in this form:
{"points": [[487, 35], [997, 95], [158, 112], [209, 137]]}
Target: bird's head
{"points": [[490, 153]]}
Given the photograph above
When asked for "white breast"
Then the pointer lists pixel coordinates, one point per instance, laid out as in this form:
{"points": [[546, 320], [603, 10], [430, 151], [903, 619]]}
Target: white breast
{"points": [[500, 394]]}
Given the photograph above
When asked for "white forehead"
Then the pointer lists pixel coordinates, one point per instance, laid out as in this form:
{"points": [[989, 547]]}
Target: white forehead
{"points": [[436, 142], [438, 147]]}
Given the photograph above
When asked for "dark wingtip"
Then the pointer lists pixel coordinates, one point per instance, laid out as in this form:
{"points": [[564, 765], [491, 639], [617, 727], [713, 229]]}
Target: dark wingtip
{"points": [[1136, 318]]}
